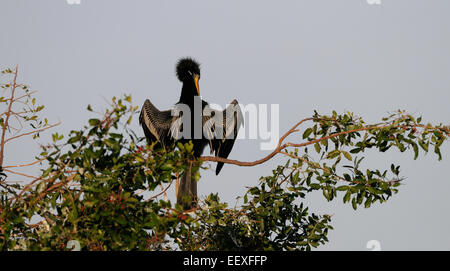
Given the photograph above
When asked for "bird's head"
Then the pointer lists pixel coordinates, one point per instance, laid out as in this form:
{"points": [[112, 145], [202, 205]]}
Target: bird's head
{"points": [[188, 72]]}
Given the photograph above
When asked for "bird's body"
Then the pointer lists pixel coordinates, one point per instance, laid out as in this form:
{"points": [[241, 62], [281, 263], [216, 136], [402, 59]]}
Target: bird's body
{"points": [[202, 125]]}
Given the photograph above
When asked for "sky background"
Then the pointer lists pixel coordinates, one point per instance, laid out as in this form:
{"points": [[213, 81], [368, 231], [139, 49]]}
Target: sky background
{"points": [[343, 55]]}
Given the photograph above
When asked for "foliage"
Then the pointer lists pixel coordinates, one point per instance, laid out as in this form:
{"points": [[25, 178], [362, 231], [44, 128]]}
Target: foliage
{"points": [[98, 187]]}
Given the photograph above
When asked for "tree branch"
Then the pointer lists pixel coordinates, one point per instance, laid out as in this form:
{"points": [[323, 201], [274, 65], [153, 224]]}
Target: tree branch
{"points": [[33, 132], [8, 114], [26, 165], [280, 147]]}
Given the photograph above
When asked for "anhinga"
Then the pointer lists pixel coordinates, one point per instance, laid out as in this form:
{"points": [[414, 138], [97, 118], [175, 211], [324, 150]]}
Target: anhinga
{"points": [[218, 128]]}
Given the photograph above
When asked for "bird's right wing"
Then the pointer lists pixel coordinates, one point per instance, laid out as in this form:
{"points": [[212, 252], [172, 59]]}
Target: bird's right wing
{"points": [[156, 124]]}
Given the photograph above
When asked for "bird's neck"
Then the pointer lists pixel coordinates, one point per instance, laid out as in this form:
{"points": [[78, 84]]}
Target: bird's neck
{"points": [[188, 93]]}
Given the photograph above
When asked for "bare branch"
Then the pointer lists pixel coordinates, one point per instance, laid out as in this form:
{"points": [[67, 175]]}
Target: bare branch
{"points": [[33, 132], [26, 165], [21, 174], [159, 194]]}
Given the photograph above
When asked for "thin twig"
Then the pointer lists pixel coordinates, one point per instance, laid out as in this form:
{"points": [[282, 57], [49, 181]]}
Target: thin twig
{"points": [[33, 132], [25, 95], [21, 174], [159, 194], [26, 165]]}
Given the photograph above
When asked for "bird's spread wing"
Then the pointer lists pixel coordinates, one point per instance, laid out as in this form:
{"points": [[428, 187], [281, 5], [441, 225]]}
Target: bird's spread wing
{"points": [[221, 129], [156, 124]]}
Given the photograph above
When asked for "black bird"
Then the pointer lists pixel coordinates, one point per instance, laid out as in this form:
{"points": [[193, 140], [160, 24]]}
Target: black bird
{"points": [[218, 128]]}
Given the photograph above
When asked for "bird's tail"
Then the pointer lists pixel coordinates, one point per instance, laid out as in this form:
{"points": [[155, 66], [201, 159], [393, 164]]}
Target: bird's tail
{"points": [[187, 190]]}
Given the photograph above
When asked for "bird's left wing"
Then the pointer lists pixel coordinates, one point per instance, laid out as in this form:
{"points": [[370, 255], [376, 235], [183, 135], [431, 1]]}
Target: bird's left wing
{"points": [[221, 129]]}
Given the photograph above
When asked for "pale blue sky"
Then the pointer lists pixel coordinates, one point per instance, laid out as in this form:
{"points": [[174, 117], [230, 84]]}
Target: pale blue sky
{"points": [[342, 55]]}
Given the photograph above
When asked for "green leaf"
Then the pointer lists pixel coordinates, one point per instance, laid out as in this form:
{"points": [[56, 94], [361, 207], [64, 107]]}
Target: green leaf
{"points": [[189, 147], [438, 152], [347, 196], [94, 122], [347, 155], [39, 108], [423, 145], [354, 204], [416, 150], [307, 133], [317, 147], [333, 154]]}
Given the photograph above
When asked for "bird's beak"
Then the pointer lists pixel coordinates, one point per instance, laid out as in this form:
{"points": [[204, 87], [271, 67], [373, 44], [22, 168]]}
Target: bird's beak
{"points": [[196, 78]]}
